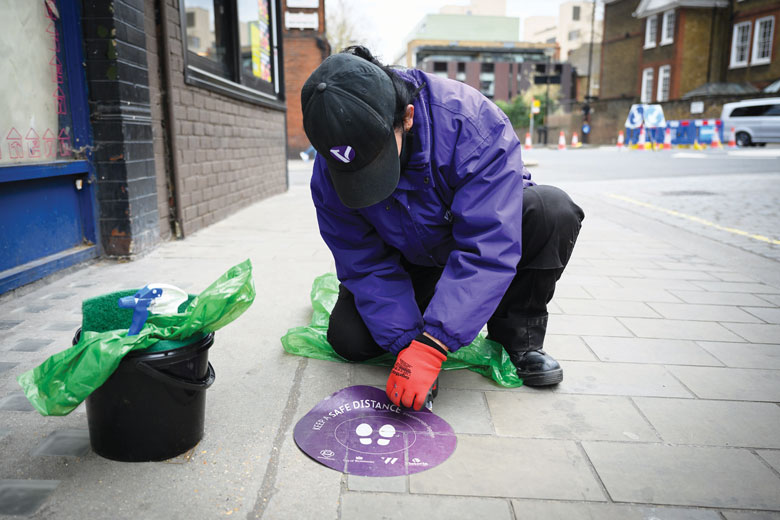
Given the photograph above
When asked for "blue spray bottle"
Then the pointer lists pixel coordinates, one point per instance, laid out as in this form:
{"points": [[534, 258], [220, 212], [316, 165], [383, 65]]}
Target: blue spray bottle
{"points": [[157, 298]]}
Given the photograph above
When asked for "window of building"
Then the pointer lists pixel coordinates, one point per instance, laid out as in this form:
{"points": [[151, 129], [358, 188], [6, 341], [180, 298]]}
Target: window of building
{"points": [[740, 43], [575, 13], [573, 35], [667, 28], [460, 75], [487, 80], [664, 82], [232, 48], [651, 31], [440, 68], [762, 40], [647, 86]]}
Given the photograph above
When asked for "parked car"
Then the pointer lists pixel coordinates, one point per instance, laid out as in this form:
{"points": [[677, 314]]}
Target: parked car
{"points": [[755, 121]]}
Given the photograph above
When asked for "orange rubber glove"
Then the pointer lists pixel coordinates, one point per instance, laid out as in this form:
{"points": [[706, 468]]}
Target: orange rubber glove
{"points": [[414, 373]]}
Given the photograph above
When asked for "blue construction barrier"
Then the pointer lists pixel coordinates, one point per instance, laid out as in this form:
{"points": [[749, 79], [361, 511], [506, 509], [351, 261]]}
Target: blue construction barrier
{"points": [[684, 132]]}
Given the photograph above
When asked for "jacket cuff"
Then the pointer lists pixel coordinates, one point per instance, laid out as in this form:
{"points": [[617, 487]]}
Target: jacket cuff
{"points": [[403, 340], [453, 344]]}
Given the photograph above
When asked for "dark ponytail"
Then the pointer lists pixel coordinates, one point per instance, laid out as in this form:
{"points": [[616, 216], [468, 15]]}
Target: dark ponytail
{"points": [[404, 92]]}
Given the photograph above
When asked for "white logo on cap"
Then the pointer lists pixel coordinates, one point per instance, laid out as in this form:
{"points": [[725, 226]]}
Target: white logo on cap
{"points": [[344, 154]]}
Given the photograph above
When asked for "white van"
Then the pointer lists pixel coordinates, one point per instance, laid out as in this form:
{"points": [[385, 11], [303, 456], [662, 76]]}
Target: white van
{"points": [[755, 121]]}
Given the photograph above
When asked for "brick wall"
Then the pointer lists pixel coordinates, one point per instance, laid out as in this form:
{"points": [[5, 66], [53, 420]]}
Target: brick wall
{"points": [[302, 54], [621, 48], [120, 115], [229, 153], [750, 11], [165, 207]]}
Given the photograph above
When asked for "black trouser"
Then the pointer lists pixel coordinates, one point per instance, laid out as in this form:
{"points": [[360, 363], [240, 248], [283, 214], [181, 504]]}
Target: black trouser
{"points": [[551, 223]]}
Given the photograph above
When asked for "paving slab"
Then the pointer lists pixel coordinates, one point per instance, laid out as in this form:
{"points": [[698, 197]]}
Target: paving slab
{"points": [[713, 423], [378, 484], [359, 506], [465, 410], [551, 510], [503, 466], [568, 417], [679, 329], [684, 475], [751, 515], [744, 355], [688, 311], [773, 299], [756, 333], [615, 308], [582, 377], [633, 294], [738, 384], [645, 284], [563, 347], [719, 298], [772, 457], [769, 315], [586, 325], [739, 287], [654, 351], [676, 274]]}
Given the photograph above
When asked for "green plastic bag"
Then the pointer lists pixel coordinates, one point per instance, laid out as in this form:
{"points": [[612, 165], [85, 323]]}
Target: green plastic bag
{"points": [[482, 356], [62, 382]]}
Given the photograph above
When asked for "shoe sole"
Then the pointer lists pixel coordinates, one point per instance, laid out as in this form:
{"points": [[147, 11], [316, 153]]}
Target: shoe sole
{"points": [[552, 377]]}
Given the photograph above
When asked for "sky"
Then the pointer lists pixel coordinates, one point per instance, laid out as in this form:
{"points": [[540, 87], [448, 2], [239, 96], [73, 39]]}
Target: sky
{"points": [[385, 23]]}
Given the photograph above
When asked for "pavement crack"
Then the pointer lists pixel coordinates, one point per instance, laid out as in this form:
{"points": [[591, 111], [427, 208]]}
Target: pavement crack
{"points": [[268, 487]]}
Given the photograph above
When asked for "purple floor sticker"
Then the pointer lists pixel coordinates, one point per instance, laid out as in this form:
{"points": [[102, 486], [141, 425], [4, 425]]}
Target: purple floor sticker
{"points": [[359, 431]]}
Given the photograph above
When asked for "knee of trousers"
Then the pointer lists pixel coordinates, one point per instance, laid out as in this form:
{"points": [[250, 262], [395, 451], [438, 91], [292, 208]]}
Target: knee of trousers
{"points": [[346, 341], [559, 208]]}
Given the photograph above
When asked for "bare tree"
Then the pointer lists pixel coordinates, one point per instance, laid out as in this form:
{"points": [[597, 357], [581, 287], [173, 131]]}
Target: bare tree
{"points": [[344, 25]]}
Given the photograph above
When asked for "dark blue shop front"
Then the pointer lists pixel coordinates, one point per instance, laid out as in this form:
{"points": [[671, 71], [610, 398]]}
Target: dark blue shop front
{"points": [[47, 182]]}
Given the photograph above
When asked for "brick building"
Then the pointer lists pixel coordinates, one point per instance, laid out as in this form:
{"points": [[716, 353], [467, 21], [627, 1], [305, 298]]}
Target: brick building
{"points": [[483, 52], [674, 47], [305, 46], [165, 116]]}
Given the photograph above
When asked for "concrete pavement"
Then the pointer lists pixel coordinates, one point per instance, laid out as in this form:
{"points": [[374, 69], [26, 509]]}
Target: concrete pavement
{"points": [[670, 345]]}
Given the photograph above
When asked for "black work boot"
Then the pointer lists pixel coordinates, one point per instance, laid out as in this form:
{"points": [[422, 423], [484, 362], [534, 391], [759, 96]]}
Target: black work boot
{"points": [[534, 366]]}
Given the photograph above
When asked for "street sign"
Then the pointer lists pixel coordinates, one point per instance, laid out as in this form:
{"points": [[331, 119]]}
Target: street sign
{"points": [[585, 128], [536, 106]]}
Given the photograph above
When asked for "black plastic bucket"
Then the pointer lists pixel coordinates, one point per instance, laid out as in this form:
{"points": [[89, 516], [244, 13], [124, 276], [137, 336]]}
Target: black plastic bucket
{"points": [[153, 406]]}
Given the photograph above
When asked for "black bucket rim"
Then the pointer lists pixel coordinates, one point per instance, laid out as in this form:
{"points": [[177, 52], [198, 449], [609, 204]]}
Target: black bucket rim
{"points": [[169, 356]]}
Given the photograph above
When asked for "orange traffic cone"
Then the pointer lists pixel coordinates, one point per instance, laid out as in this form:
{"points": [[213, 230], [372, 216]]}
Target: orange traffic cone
{"points": [[732, 138], [621, 140], [716, 139], [668, 139], [642, 143], [528, 145], [562, 141], [575, 141]]}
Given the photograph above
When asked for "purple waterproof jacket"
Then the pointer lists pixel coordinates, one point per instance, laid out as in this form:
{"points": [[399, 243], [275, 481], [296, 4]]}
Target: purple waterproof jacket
{"points": [[458, 205]]}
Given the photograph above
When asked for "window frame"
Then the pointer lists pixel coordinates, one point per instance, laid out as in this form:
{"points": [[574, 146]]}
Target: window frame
{"points": [[648, 43], [646, 94], [733, 64], [659, 93], [667, 37], [203, 73], [754, 60]]}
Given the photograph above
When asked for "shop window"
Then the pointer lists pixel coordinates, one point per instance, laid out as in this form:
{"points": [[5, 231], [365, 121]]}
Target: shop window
{"points": [[762, 41], [232, 47], [667, 28], [651, 31], [740, 45], [647, 86], [664, 82]]}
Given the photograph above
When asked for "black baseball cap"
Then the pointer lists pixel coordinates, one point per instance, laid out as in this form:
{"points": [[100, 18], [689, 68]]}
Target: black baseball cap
{"points": [[348, 106]]}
